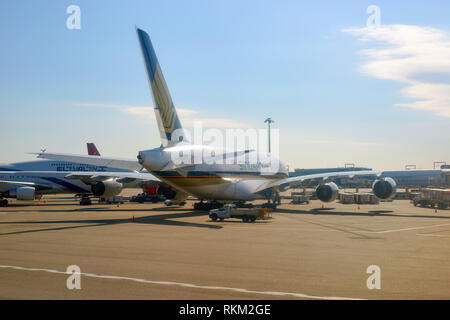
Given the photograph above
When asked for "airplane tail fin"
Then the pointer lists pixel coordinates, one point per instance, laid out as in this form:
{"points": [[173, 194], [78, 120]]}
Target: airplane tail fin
{"points": [[165, 112], [92, 149]]}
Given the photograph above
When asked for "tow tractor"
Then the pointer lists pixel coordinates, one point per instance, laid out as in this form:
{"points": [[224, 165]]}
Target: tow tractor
{"points": [[246, 214]]}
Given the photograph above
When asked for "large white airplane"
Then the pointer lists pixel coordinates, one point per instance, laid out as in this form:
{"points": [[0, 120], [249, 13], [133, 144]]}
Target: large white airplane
{"points": [[31, 180], [30, 185], [56, 165], [233, 180]]}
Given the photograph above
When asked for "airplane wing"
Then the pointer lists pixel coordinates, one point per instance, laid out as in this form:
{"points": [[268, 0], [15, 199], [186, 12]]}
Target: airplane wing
{"points": [[288, 182], [122, 177], [101, 161], [8, 185]]}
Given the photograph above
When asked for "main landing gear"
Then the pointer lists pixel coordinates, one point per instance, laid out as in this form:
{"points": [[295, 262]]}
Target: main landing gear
{"points": [[206, 206], [85, 200], [3, 202], [270, 205], [273, 199]]}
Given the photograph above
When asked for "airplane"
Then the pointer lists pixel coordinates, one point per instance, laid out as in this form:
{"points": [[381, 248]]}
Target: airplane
{"points": [[30, 185], [51, 165], [233, 180], [30, 180]]}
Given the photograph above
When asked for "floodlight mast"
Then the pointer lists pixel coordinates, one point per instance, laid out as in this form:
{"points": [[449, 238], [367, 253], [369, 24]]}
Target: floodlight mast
{"points": [[268, 121]]}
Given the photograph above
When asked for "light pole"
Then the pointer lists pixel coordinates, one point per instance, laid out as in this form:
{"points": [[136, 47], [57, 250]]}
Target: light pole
{"points": [[268, 121]]}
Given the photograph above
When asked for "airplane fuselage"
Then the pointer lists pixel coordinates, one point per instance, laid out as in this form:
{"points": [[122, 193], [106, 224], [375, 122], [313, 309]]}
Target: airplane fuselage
{"points": [[230, 177], [54, 182]]}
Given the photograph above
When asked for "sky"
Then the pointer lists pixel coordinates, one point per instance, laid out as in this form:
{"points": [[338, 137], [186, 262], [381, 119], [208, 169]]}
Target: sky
{"points": [[339, 91]]}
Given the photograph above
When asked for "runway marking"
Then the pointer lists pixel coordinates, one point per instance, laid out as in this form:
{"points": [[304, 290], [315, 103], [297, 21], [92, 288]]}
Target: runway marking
{"points": [[182, 284], [432, 235], [408, 229]]}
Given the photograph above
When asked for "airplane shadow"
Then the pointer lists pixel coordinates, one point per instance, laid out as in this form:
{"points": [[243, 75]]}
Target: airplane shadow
{"points": [[37, 204], [110, 208], [239, 221], [160, 219]]}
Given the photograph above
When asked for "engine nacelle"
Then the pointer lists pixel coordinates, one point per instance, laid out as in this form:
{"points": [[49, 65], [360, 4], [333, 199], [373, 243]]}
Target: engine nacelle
{"points": [[106, 189], [384, 188], [327, 192], [23, 193]]}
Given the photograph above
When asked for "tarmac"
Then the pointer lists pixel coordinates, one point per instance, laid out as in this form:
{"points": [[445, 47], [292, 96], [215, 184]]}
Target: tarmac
{"points": [[150, 251]]}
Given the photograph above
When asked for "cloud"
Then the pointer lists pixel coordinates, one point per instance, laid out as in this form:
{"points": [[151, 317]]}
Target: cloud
{"points": [[187, 116], [408, 54]]}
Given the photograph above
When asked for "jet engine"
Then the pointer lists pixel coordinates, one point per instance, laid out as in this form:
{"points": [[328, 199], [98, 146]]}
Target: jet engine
{"points": [[384, 188], [106, 189], [23, 193], [327, 192]]}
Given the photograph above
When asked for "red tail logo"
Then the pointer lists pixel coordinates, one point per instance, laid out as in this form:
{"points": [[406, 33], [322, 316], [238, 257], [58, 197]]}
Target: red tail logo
{"points": [[92, 150]]}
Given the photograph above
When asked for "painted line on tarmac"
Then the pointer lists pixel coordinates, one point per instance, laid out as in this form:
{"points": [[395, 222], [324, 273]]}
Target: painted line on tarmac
{"points": [[408, 229], [182, 284], [432, 235]]}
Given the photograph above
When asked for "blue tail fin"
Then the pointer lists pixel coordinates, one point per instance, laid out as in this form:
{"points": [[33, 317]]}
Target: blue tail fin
{"points": [[165, 112]]}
